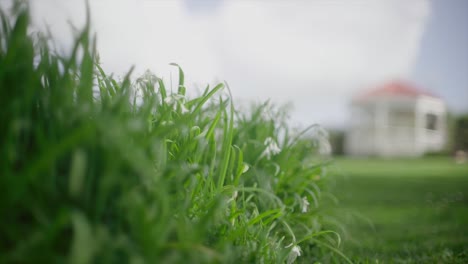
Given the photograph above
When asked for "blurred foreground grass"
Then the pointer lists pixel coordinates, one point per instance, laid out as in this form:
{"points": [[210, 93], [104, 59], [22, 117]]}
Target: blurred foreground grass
{"points": [[416, 210], [94, 169]]}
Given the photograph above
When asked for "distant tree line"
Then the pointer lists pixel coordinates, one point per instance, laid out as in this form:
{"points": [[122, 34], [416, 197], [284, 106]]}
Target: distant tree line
{"points": [[460, 133], [337, 138]]}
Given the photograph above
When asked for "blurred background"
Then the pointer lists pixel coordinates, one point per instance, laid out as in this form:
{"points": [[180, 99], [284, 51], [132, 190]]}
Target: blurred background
{"points": [[315, 54], [387, 78]]}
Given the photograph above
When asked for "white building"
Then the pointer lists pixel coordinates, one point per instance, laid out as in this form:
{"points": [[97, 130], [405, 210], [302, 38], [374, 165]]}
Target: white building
{"points": [[394, 120]]}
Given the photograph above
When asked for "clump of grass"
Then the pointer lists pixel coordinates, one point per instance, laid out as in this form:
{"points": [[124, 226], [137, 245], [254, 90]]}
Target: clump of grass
{"points": [[99, 170]]}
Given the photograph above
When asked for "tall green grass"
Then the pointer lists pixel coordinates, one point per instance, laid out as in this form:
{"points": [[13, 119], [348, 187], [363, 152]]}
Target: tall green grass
{"points": [[95, 170]]}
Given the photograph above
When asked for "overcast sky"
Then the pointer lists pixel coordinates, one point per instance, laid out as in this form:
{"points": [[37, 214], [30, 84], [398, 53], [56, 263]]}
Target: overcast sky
{"points": [[315, 54]]}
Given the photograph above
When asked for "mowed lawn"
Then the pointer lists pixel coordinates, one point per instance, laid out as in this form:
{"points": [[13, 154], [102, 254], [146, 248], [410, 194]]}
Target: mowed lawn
{"points": [[403, 211]]}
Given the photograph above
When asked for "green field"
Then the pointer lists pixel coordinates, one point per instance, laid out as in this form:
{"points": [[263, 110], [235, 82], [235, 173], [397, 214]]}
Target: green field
{"points": [[404, 211]]}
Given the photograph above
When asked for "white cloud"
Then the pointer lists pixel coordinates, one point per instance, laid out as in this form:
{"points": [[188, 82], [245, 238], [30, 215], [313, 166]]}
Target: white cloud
{"points": [[147, 34], [313, 53], [323, 41]]}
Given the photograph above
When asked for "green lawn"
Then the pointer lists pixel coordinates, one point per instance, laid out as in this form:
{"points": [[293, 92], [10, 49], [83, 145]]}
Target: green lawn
{"points": [[404, 211]]}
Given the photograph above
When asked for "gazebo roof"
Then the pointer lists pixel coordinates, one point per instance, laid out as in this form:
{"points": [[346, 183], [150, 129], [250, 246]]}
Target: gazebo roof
{"points": [[394, 88]]}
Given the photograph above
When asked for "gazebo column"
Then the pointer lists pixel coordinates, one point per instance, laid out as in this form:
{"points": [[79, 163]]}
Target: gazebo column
{"points": [[419, 129], [442, 127], [381, 127]]}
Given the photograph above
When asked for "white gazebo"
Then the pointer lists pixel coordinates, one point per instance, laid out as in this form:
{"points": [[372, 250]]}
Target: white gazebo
{"points": [[395, 120]]}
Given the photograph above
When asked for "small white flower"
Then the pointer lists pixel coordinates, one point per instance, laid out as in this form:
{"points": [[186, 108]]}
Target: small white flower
{"points": [[183, 109], [233, 197], [178, 97], [245, 168], [176, 100], [305, 204], [169, 100], [295, 252], [271, 148]]}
